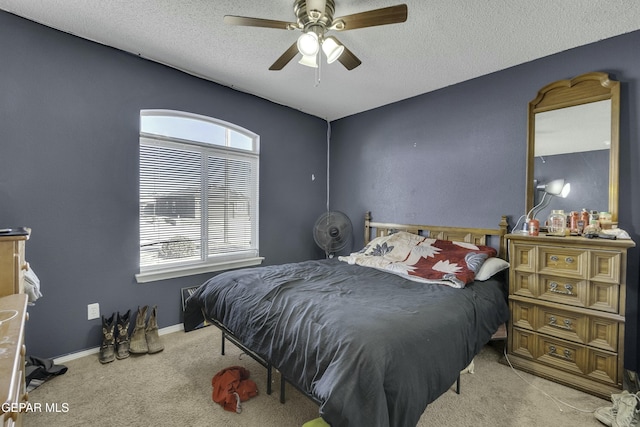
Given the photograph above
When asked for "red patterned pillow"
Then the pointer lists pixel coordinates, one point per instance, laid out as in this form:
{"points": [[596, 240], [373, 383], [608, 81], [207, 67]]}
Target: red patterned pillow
{"points": [[457, 262]]}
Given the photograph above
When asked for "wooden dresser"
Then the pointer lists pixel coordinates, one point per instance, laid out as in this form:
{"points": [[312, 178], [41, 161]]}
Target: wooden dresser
{"points": [[12, 264], [12, 359], [567, 303]]}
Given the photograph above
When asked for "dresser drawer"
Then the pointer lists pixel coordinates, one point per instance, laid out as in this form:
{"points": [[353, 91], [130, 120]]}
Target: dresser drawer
{"points": [[569, 291], [524, 284], [523, 343], [603, 334], [604, 297], [523, 315], [566, 262], [559, 323], [12, 265], [565, 355], [562, 324], [571, 357], [605, 266], [523, 258], [581, 328], [563, 290]]}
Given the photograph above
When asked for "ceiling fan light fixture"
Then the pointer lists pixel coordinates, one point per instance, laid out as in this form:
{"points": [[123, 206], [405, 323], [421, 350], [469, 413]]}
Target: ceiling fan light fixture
{"points": [[309, 61], [315, 18], [308, 44], [332, 50]]}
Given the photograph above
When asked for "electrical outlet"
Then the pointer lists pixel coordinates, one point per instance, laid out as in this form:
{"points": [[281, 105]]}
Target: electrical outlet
{"points": [[93, 311]]}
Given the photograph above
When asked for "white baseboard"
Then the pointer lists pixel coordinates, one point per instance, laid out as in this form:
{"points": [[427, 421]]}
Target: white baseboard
{"points": [[72, 356]]}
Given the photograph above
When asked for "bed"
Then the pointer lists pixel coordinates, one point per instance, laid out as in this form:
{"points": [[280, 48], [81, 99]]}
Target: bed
{"points": [[373, 345]]}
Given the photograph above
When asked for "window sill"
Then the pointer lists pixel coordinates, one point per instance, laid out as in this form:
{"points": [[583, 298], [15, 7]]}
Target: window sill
{"points": [[171, 273]]}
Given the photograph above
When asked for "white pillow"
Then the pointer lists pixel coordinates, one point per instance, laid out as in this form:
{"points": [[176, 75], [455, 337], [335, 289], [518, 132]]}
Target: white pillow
{"points": [[490, 267]]}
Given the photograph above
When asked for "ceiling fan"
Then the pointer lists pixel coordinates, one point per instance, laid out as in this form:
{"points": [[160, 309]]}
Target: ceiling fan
{"points": [[315, 19]]}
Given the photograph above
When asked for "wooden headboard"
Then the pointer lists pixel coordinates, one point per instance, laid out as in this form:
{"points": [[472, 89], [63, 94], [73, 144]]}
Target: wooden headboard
{"points": [[477, 236]]}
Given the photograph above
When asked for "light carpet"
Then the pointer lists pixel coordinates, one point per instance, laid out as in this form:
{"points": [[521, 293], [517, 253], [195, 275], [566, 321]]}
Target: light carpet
{"points": [[173, 388]]}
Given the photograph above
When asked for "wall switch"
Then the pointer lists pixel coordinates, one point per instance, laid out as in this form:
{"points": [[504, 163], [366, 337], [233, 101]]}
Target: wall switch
{"points": [[93, 311]]}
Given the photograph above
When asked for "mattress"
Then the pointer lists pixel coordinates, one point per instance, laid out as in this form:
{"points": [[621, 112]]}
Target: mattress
{"points": [[373, 347]]}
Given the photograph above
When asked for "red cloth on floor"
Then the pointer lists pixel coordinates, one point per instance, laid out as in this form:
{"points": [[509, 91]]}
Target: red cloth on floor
{"points": [[232, 386]]}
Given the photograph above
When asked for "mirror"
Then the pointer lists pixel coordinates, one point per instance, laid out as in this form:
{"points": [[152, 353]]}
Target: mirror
{"points": [[573, 135]]}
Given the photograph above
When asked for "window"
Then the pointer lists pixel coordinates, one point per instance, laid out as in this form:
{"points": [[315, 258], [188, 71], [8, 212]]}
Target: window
{"points": [[198, 195]]}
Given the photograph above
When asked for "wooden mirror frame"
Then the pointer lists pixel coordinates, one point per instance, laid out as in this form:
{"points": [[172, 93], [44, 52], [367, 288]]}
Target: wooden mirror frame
{"points": [[583, 89]]}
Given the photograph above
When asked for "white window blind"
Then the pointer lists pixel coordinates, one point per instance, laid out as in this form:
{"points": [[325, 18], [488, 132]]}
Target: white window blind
{"points": [[198, 195]]}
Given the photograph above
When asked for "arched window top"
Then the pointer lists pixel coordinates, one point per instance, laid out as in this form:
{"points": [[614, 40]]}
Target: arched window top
{"points": [[193, 127]]}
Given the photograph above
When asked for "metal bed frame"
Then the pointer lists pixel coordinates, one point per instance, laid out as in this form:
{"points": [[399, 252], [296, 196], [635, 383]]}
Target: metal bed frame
{"points": [[228, 335]]}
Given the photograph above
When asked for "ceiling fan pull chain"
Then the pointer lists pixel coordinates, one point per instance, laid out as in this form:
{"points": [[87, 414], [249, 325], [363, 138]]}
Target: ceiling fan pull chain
{"points": [[319, 62]]}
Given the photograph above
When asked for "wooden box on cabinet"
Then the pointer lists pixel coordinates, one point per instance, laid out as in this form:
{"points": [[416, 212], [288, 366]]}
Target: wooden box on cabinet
{"points": [[13, 395], [567, 303], [12, 264]]}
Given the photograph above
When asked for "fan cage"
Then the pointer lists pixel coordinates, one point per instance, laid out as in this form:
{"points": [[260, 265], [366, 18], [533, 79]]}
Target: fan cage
{"points": [[332, 231]]}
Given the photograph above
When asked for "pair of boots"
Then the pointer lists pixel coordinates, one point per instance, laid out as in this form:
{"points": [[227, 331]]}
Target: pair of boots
{"points": [[623, 413], [144, 338], [115, 344]]}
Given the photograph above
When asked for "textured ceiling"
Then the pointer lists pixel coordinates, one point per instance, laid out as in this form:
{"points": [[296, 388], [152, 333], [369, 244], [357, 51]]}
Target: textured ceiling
{"points": [[442, 43]]}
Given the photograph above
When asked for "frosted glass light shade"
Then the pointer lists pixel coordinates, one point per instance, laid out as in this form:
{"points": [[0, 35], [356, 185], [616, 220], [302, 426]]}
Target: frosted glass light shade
{"points": [[309, 61], [308, 44], [332, 49], [557, 187]]}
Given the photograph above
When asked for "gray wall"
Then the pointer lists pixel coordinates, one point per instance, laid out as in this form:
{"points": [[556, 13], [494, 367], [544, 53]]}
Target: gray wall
{"points": [[69, 150], [456, 156], [69, 136]]}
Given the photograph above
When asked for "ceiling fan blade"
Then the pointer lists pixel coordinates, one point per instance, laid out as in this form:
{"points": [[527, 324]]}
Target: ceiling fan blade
{"points": [[284, 59], [259, 22], [372, 18], [348, 59]]}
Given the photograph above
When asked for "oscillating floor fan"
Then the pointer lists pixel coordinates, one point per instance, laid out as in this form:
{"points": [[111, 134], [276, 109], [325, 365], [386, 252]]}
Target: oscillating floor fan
{"points": [[332, 232]]}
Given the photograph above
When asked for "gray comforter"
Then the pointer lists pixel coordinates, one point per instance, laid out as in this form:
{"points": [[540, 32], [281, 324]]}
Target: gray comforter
{"points": [[373, 347]]}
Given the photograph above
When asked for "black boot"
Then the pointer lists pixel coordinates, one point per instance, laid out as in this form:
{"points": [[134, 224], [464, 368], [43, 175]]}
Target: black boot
{"points": [[122, 340], [107, 349]]}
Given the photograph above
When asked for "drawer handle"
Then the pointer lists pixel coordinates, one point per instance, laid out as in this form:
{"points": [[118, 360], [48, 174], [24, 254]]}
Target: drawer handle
{"points": [[568, 260], [552, 352], [568, 288], [566, 324]]}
